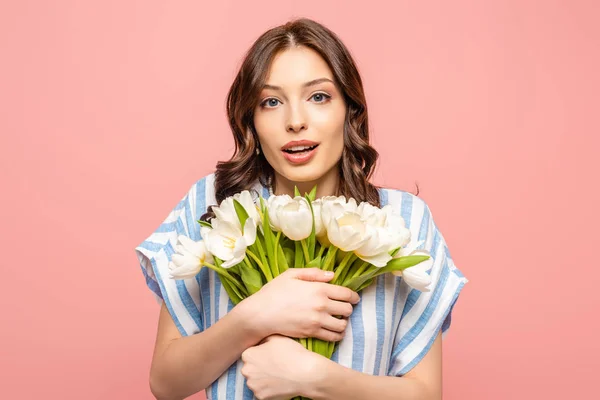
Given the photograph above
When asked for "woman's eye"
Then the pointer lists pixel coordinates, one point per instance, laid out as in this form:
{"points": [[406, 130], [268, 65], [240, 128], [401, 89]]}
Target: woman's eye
{"points": [[321, 97], [270, 103]]}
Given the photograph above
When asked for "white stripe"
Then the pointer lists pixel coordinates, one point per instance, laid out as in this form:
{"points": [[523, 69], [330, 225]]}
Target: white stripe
{"points": [[185, 319], [194, 290], [174, 215], [369, 317], [209, 190], [223, 300], [239, 380], [211, 290], [345, 348], [390, 288], [419, 307], [423, 338], [160, 238]]}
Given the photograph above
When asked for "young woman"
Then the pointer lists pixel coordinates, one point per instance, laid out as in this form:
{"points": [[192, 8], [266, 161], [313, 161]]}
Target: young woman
{"points": [[298, 114]]}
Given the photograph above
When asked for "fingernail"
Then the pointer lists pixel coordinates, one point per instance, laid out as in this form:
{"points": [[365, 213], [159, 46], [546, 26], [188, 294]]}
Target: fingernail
{"points": [[329, 274]]}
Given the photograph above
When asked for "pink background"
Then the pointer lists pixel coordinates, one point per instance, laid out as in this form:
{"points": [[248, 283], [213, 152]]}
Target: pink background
{"points": [[110, 110]]}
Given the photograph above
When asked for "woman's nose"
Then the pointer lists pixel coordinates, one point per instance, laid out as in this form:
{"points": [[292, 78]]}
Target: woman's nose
{"points": [[296, 121]]}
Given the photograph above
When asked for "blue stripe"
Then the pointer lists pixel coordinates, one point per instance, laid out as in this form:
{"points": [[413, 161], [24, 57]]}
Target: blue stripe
{"points": [[414, 294], [193, 225], [152, 246], [447, 316], [166, 227], [202, 279], [336, 353], [217, 288], [216, 284], [214, 387], [395, 325], [232, 373], [406, 212], [248, 394], [383, 197], [184, 295], [152, 284], [424, 228], [358, 337], [166, 298], [381, 318], [426, 315]]}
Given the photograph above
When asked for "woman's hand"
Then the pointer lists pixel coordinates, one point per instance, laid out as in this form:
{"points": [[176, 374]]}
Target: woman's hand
{"points": [[299, 304], [280, 368]]}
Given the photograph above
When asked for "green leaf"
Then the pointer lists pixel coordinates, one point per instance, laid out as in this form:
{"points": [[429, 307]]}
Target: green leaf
{"points": [[204, 223], [298, 257], [269, 239], [252, 278], [285, 259], [395, 251], [330, 258], [313, 193], [296, 191], [241, 212], [364, 285], [357, 282], [261, 252], [315, 263], [311, 240], [401, 263], [232, 291]]}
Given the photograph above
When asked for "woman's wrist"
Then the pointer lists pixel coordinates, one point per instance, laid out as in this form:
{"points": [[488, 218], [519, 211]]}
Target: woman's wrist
{"points": [[324, 371], [251, 320]]}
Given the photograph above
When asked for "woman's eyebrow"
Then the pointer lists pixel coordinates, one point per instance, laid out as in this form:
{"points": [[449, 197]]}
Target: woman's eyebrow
{"points": [[307, 84]]}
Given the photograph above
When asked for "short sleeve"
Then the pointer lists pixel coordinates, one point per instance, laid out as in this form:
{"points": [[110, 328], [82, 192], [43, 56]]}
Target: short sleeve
{"points": [[424, 314], [182, 297]]}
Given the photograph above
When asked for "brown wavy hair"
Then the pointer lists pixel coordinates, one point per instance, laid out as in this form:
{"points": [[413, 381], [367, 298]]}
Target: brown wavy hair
{"points": [[358, 157]]}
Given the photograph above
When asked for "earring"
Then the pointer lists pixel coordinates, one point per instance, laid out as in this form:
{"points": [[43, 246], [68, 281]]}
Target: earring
{"points": [[257, 150]]}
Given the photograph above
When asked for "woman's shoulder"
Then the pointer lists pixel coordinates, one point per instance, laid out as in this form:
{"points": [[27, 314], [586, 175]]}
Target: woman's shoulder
{"points": [[402, 200]]}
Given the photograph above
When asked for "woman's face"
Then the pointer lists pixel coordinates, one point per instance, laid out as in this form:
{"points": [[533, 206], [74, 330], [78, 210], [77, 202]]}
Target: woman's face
{"points": [[300, 102]]}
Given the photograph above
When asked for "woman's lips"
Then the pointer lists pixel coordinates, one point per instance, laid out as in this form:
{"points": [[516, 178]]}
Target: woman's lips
{"points": [[301, 157]]}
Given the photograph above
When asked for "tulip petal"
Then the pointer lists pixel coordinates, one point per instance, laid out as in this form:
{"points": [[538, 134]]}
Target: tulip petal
{"points": [[249, 233], [378, 260]]}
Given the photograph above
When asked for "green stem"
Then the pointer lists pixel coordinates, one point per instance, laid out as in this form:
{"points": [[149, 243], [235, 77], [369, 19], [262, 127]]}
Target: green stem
{"points": [[363, 266], [223, 271], [264, 270], [275, 254], [321, 251], [330, 258], [340, 269], [305, 250]]}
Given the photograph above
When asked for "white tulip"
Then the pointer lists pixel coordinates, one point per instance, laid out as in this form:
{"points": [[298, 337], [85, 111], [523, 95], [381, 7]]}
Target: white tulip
{"points": [[227, 242], [189, 259], [345, 230], [226, 210], [333, 207], [274, 203], [416, 276], [396, 226], [317, 206], [291, 216]]}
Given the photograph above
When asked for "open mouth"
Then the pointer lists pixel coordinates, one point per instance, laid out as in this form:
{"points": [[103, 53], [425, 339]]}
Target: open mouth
{"points": [[300, 149]]}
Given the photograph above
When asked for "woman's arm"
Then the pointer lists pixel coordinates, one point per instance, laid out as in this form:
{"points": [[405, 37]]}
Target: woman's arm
{"points": [[298, 303], [282, 368], [423, 382], [182, 366]]}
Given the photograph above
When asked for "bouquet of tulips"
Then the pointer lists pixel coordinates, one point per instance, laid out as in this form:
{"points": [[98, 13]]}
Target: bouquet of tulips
{"points": [[248, 244]]}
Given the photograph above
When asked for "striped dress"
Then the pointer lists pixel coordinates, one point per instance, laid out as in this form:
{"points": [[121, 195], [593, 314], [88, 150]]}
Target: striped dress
{"points": [[390, 330]]}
